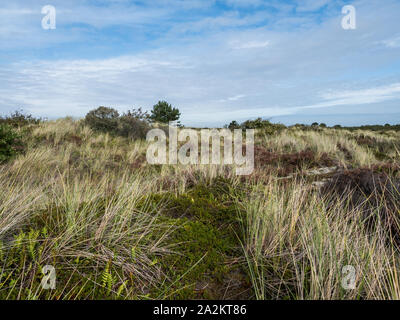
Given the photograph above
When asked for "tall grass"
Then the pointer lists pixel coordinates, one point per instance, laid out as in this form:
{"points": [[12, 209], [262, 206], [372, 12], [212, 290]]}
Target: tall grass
{"points": [[77, 200], [296, 247]]}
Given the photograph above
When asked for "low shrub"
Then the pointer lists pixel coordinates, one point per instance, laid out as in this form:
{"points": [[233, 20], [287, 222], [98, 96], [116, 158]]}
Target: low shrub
{"points": [[289, 163], [138, 114], [375, 194], [263, 126], [10, 143], [133, 124], [233, 125], [103, 119], [19, 119]]}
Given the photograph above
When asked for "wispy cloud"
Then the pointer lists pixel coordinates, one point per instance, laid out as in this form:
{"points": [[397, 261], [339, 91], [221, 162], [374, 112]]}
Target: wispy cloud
{"points": [[392, 43], [356, 97], [310, 5], [229, 59], [250, 44], [235, 98]]}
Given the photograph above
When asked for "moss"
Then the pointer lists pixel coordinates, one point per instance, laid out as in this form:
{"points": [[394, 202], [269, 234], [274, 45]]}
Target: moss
{"points": [[200, 269], [201, 252], [210, 204], [204, 240]]}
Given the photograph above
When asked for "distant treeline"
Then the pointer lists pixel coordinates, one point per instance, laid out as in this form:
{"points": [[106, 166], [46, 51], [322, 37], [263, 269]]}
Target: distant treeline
{"points": [[259, 123], [164, 112], [385, 127]]}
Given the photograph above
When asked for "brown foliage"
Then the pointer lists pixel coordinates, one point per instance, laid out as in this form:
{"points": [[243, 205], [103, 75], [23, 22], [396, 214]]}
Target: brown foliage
{"points": [[366, 141], [376, 194], [290, 162], [74, 139], [347, 153]]}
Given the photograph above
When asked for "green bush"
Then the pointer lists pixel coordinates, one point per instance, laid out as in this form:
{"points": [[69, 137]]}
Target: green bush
{"points": [[10, 143], [233, 125], [138, 114], [103, 119], [19, 119], [255, 124], [265, 126], [163, 112], [133, 124], [129, 125]]}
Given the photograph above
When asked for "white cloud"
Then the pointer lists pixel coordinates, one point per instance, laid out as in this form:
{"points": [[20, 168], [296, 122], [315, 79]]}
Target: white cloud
{"points": [[392, 43], [310, 5], [235, 98], [380, 92], [217, 68], [356, 97], [250, 44]]}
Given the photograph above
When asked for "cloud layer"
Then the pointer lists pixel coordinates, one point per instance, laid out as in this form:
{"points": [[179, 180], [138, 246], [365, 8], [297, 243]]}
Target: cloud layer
{"points": [[216, 60]]}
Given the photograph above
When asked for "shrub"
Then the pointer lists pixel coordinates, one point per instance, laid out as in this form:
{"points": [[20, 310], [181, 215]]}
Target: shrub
{"points": [[375, 194], [233, 125], [133, 124], [163, 112], [138, 114], [103, 119], [255, 124], [19, 119], [265, 125], [10, 143]]}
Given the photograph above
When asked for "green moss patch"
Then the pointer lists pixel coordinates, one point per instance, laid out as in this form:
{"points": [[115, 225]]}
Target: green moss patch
{"points": [[206, 243]]}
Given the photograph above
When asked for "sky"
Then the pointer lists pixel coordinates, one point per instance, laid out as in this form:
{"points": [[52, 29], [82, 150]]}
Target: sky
{"points": [[290, 61]]}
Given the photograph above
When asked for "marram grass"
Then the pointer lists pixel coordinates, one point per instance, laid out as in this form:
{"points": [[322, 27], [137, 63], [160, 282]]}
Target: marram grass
{"points": [[115, 227]]}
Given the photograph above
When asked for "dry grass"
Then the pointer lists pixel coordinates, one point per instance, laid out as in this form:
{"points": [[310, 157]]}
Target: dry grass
{"points": [[296, 247], [75, 199]]}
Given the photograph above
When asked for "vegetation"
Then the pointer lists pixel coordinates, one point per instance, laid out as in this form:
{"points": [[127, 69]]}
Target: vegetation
{"points": [[19, 119], [103, 119], [163, 112], [83, 199], [10, 144], [133, 124], [263, 126], [386, 127]]}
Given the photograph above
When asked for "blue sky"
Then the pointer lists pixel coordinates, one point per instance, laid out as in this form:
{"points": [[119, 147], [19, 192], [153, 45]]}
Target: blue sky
{"points": [[216, 60]]}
